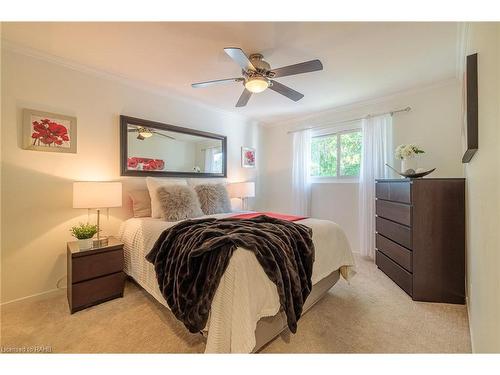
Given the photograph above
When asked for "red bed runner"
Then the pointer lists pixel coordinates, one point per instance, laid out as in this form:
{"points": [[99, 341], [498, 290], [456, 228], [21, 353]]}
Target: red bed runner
{"points": [[270, 214]]}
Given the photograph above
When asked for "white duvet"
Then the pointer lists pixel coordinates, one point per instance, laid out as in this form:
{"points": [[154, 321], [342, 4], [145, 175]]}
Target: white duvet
{"points": [[245, 293]]}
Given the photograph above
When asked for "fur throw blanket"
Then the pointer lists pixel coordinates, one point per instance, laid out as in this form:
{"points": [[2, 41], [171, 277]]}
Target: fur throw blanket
{"points": [[191, 257]]}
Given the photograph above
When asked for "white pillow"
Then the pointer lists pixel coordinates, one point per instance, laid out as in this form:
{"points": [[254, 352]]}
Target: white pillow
{"points": [[153, 184]]}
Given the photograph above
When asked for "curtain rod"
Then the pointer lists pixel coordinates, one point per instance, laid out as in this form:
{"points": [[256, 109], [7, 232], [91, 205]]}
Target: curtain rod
{"points": [[407, 109]]}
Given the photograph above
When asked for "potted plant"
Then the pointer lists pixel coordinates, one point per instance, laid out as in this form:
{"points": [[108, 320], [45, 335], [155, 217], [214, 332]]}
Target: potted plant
{"points": [[407, 154], [84, 233]]}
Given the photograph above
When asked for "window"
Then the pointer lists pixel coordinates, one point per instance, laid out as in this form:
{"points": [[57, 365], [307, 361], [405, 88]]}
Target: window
{"points": [[336, 154], [217, 163], [213, 160]]}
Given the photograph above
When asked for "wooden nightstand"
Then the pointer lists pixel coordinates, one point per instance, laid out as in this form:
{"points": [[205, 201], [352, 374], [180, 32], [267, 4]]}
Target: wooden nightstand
{"points": [[95, 275]]}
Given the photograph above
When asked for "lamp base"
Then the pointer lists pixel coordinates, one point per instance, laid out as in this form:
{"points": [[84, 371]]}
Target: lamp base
{"points": [[100, 242]]}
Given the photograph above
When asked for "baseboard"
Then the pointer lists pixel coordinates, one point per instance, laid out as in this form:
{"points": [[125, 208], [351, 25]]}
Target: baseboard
{"points": [[36, 296], [470, 325]]}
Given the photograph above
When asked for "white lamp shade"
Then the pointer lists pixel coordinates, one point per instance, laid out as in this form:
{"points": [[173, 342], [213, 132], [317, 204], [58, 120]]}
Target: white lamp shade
{"points": [[241, 190], [97, 194]]}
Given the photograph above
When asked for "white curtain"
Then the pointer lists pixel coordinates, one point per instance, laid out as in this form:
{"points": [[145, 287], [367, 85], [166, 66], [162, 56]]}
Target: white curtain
{"points": [[301, 171], [377, 150], [210, 159]]}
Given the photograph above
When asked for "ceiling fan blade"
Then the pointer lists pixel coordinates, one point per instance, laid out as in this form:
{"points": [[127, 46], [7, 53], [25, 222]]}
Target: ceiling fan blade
{"points": [[286, 91], [133, 130], [243, 100], [140, 137], [305, 67], [216, 82], [163, 135], [241, 59]]}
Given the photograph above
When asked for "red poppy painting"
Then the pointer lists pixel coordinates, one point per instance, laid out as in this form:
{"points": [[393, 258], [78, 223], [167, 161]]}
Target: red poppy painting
{"points": [[49, 132], [145, 164], [247, 157]]}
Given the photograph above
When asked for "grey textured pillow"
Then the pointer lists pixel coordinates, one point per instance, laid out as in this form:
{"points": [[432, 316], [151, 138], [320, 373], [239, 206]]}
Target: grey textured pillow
{"points": [[141, 203], [178, 202], [213, 198]]}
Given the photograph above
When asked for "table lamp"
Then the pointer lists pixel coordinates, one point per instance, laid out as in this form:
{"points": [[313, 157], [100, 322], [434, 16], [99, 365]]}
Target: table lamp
{"points": [[242, 190], [97, 195]]}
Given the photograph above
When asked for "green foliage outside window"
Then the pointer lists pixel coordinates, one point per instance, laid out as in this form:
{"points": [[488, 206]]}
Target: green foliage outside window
{"points": [[324, 155], [350, 154]]}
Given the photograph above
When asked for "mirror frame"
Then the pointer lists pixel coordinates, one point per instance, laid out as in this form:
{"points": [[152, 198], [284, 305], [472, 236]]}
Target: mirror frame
{"points": [[126, 120]]}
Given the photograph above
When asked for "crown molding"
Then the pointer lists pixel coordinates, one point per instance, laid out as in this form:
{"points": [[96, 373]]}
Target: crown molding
{"points": [[172, 93], [167, 92], [359, 105]]}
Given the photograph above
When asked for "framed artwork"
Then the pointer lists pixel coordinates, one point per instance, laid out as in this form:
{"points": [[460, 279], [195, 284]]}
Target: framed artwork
{"points": [[145, 164], [247, 157], [43, 131]]}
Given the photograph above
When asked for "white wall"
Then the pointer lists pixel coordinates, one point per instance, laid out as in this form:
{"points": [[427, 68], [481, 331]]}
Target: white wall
{"points": [[37, 186], [433, 123], [1, 239], [483, 195], [338, 202]]}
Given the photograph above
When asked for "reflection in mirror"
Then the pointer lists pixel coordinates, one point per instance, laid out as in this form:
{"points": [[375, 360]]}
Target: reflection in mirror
{"points": [[165, 150], [160, 150]]}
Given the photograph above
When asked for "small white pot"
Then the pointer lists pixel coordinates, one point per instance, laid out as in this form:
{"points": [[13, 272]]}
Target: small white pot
{"points": [[85, 244]]}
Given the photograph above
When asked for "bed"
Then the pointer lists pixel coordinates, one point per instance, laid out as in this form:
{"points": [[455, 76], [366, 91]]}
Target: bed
{"points": [[245, 312]]}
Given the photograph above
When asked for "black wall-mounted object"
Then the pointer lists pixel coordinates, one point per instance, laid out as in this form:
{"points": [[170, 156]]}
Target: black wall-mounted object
{"points": [[472, 109]]}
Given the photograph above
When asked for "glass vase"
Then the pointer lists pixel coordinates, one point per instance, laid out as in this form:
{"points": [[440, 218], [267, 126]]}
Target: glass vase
{"points": [[410, 163]]}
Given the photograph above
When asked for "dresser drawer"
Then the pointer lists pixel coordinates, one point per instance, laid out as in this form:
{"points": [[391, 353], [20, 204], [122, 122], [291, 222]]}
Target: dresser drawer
{"points": [[398, 212], [399, 275], [95, 265], [394, 191], [397, 253], [396, 232], [96, 290]]}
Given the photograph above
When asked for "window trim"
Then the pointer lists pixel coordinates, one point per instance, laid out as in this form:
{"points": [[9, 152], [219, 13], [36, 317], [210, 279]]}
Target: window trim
{"points": [[337, 132]]}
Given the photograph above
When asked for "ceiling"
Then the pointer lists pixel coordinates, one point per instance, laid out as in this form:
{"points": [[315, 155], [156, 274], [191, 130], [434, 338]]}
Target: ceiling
{"points": [[361, 60]]}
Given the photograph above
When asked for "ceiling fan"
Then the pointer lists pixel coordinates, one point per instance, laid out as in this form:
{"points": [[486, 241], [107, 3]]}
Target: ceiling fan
{"points": [[258, 75], [143, 133]]}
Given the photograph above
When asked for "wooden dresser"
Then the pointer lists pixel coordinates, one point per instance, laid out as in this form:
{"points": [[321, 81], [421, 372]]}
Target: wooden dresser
{"points": [[95, 275], [420, 236]]}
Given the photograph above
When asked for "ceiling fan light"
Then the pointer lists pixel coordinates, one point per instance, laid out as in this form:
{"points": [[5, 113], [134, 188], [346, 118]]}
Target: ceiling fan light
{"points": [[145, 133], [256, 84]]}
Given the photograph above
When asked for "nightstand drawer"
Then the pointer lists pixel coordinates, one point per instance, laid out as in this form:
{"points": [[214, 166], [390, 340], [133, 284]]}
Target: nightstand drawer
{"points": [[97, 290], [397, 253], [398, 212], [95, 265], [394, 231], [399, 275], [393, 191]]}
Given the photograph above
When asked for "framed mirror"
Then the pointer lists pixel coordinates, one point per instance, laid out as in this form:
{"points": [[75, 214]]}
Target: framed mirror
{"points": [[151, 148]]}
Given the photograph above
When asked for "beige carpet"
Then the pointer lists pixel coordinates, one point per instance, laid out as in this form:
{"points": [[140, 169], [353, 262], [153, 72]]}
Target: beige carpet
{"points": [[371, 315]]}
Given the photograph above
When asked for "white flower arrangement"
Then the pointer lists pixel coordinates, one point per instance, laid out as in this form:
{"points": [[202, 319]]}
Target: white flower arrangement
{"points": [[409, 151]]}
